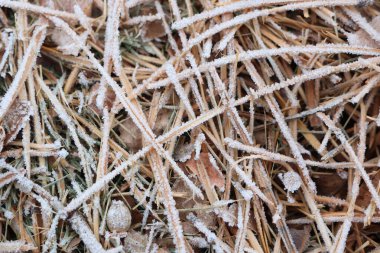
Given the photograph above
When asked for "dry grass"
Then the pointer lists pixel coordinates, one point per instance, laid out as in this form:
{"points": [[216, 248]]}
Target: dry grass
{"points": [[189, 126]]}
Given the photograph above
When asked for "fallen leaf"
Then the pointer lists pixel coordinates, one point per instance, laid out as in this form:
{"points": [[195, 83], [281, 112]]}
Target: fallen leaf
{"points": [[152, 30], [16, 118], [365, 197], [131, 135], [215, 176], [301, 237], [135, 241], [330, 185]]}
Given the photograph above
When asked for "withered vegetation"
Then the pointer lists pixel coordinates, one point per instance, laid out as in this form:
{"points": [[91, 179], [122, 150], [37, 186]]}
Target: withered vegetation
{"points": [[189, 126]]}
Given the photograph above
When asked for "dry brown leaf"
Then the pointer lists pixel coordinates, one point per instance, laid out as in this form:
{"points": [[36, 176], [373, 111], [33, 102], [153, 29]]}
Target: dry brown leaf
{"points": [[152, 30], [135, 242], [16, 118], [301, 237], [364, 197], [215, 176], [330, 185], [131, 135]]}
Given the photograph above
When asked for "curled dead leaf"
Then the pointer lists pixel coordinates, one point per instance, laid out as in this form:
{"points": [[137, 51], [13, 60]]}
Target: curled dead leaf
{"points": [[131, 135], [135, 242], [365, 197], [215, 176], [16, 118], [301, 237], [152, 30]]}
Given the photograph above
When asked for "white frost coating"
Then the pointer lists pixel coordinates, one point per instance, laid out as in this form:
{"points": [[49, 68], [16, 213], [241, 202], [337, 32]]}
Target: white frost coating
{"points": [[65, 117], [198, 145], [210, 236], [291, 180], [179, 89], [243, 176], [85, 233], [51, 239], [111, 48], [359, 166], [140, 122], [66, 44], [103, 156], [81, 102], [287, 34], [8, 215], [143, 19], [234, 6], [9, 40], [18, 5], [14, 246], [83, 79], [175, 226], [83, 19], [241, 19], [199, 242], [327, 136], [246, 194], [277, 215], [207, 48], [132, 3], [25, 67], [277, 114], [362, 22], [264, 53], [366, 89], [6, 178], [222, 44]]}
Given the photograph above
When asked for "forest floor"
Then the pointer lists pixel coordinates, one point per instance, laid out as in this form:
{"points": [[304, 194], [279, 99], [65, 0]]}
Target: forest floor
{"points": [[189, 126]]}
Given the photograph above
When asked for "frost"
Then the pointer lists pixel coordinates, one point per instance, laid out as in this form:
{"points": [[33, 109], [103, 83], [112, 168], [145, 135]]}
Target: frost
{"points": [[291, 180], [247, 194], [83, 79], [354, 158], [66, 44], [8, 215], [24, 69], [366, 89], [9, 39], [210, 236], [199, 242], [179, 89], [15, 246], [198, 145], [207, 48], [85, 233], [277, 215], [81, 102]]}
